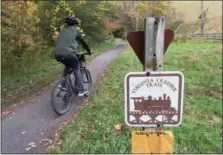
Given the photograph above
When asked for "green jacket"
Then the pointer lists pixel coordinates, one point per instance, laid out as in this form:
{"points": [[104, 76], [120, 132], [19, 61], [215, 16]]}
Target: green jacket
{"points": [[67, 42]]}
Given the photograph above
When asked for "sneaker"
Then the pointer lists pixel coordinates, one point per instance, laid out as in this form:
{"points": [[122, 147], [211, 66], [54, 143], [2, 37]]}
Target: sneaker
{"points": [[82, 93]]}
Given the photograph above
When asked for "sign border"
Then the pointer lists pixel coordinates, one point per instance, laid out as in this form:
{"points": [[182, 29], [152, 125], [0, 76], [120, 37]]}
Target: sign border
{"points": [[154, 73]]}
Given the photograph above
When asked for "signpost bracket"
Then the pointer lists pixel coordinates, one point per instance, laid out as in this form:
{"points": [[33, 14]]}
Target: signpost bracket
{"points": [[148, 73]]}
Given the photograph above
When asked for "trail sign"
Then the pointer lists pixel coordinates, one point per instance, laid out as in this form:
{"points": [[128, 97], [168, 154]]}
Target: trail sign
{"points": [[152, 142], [137, 42], [155, 99]]}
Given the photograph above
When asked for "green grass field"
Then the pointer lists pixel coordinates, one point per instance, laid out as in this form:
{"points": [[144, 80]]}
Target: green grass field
{"points": [[201, 131], [29, 81]]}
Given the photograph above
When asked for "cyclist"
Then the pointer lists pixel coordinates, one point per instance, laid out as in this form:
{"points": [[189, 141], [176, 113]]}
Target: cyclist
{"points": [[66, 51]]}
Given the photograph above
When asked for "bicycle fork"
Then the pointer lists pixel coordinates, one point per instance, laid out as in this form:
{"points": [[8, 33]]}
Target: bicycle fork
{"points": [[83, 73]]}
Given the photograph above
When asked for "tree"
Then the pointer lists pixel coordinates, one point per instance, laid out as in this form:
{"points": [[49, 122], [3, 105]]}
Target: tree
{"points": [[20, 31], [143, 9]]}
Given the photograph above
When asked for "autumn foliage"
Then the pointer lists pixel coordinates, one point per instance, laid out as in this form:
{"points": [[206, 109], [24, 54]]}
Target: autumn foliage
{"points": [[30, 28]]}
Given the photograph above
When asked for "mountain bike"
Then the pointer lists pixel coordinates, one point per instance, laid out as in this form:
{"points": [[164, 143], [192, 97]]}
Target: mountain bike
{"points": [[64, 91]]}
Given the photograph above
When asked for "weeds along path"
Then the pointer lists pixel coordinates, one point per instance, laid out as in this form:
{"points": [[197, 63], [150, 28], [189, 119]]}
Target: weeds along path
{"points": [[32, 126]]}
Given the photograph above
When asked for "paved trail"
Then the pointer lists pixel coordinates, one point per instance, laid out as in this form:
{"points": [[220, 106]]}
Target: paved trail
{"points": [[36, 121]]}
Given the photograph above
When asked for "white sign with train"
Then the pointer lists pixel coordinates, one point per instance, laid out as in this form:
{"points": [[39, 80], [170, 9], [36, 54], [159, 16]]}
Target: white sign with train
{"points": [[154, 99]]}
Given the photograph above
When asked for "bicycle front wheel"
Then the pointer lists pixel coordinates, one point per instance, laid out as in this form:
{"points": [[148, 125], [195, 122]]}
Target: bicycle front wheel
{"points": [[87, 80], [61, 97]]}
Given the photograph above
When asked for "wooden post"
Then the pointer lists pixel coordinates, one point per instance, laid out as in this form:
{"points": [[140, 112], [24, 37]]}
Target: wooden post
{"points": [[154, 44], [160, 44], [150, 39]]}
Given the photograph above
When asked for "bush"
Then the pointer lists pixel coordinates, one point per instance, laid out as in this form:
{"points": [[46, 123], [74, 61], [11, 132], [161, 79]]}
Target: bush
{"points": [[21, 42]]}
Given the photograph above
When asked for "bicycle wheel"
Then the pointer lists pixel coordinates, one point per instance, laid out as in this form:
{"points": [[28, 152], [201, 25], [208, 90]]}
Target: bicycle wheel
{"points": [[61, 97], [87, 79]]}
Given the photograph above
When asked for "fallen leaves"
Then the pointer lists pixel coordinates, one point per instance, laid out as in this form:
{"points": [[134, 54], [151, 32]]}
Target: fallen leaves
{"points": [[119, 127], [89, 118], [46, 142], [30, 146], [214, 120], [5, 113]]}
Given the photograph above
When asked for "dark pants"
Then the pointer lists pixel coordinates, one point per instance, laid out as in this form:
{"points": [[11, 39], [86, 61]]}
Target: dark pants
{"points": [[72, 62]]}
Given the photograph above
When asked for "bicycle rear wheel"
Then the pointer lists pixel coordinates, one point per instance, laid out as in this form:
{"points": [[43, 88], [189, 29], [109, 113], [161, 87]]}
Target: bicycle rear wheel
{"points": [[61, 97], [87, 79]]}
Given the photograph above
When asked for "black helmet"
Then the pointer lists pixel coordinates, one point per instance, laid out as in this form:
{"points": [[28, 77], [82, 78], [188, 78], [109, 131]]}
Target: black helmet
{"points": [[71, 20]]}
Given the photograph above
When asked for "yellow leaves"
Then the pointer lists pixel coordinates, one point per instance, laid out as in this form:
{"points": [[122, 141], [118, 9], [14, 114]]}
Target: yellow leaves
{"points": [[32, 8], [142, 7], [66, 9], [81, 31], [82, 2], [147, 8], [57, 8], [79, 21], [61, 11], [160, 8], [54, 19], [70, 12], [164, 4], [155, 7], [62, 6]]}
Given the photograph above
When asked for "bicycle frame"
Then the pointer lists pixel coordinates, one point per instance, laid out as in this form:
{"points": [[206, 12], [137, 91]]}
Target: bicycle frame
{"points": [[68, 80]]}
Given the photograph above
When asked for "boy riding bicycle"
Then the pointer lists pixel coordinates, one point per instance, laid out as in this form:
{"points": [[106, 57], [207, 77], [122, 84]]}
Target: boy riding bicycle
{"points": [[66, 51]]}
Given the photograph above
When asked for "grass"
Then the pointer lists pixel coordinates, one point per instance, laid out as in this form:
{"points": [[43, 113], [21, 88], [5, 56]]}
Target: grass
{"points": [[31, 79], [201, 131]]}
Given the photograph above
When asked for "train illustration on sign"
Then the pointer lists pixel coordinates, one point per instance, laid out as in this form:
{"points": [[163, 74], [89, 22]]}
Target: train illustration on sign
{"points": [[153, 108]]}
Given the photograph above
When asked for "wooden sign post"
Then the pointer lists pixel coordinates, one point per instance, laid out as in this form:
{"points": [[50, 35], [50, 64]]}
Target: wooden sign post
{"points": [[153, 98], [154, 43]]}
